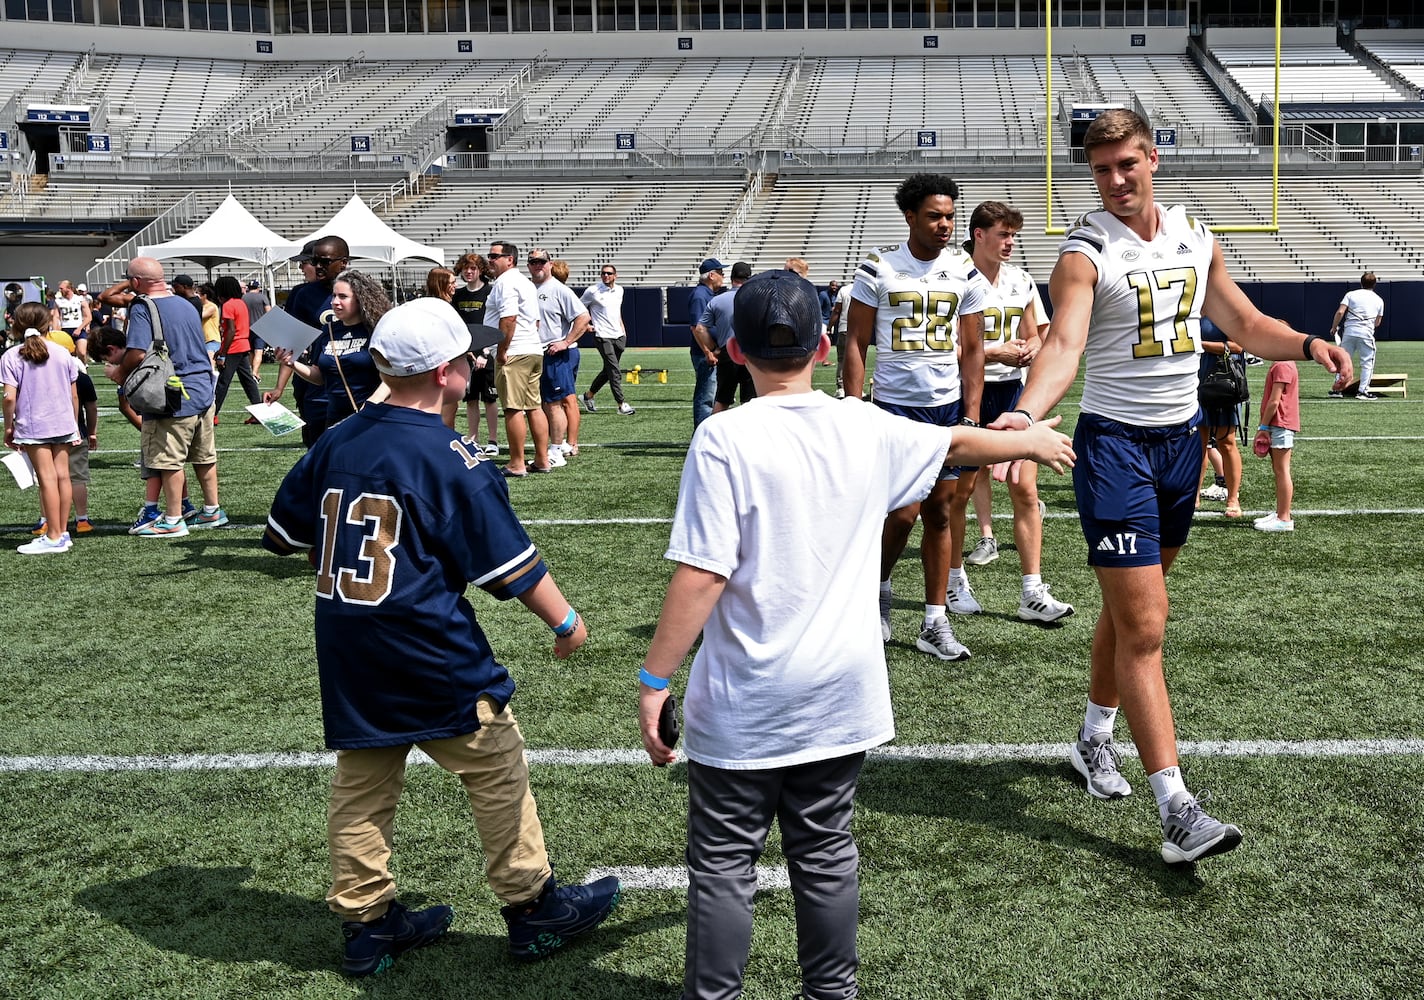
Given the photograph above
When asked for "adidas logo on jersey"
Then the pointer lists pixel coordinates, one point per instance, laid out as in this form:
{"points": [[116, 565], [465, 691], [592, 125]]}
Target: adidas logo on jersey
{"points": [[1182, 248], [1107, 545]]}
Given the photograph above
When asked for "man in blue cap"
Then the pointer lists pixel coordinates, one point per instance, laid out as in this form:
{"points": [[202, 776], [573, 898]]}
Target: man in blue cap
{"points": [[704, 351]]}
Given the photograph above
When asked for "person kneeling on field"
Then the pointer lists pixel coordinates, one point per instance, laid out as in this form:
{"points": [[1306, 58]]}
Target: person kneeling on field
{"points": [[396, 512]]}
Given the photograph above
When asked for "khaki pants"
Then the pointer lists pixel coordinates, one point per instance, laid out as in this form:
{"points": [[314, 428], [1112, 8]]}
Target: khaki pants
{"points": [[490, 763]]}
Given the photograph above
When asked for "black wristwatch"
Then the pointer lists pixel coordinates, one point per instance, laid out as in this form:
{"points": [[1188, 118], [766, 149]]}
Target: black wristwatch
{"points": [[966, 422]]}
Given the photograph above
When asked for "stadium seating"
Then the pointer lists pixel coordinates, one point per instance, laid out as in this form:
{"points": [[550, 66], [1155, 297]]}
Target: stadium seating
{"points": [[1323, 74], [657, 226], [1404, 57]]}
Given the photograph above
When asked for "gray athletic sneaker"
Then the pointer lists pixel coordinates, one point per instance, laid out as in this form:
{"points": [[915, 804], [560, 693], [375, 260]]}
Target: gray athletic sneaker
{"points": [[1038, 605], [886, 599], [960, 599], [938, 639], [1189, 834], [1096, 759], [986, 550]]}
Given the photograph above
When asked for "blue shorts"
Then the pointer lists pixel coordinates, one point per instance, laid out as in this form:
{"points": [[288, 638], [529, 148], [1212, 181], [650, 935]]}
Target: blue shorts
{"points": [[999, 398], [1136, 488], [947, 415], [557, 379]]}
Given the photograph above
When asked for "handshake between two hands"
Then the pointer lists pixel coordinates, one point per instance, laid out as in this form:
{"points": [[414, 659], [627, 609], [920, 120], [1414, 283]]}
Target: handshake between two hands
{"points": [[1040, 441]]}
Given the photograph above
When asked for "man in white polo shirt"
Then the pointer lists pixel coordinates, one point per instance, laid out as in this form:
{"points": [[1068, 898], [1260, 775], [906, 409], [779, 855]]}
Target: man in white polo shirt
{"points": [[1355, 322], [514, 304]]}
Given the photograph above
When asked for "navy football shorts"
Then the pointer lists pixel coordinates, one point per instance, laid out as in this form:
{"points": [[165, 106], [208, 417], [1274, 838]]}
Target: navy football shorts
{"points": [[1136, 488]]}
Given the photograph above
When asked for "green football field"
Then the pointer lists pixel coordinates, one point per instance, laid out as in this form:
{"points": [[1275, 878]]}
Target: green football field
{"points": [[164, 779]]}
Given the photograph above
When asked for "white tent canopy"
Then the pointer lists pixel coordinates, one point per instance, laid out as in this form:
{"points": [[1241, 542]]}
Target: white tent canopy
{"points": [[371, 239], [230, 233]]}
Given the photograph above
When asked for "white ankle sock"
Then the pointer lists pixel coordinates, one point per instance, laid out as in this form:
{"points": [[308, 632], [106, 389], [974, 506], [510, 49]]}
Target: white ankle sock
{"points": [[1032, 581], [1166, 783], [1098, 719], [933, 611], [957, 575]]}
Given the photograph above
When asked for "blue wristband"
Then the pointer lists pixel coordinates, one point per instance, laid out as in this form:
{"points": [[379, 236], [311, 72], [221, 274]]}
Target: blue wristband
{"points": [[653, 680], [569, 624]]}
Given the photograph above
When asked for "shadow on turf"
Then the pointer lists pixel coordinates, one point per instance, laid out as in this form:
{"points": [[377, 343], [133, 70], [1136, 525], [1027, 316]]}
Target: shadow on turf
{"points": [[228, 551], [210, 913], [988, 794]]}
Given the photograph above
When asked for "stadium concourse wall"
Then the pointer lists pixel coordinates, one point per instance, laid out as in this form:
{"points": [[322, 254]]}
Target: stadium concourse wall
{"points": [[592, 45]]}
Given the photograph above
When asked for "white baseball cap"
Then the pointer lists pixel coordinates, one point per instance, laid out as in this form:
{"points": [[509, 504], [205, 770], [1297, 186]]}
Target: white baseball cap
{"points": [[418, 336], [82, 288]]}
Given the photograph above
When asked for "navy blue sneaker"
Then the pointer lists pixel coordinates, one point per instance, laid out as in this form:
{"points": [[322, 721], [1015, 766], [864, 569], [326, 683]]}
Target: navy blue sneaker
{"points": [[189, 511], [373, 947], [147, 514], [540, 927]]}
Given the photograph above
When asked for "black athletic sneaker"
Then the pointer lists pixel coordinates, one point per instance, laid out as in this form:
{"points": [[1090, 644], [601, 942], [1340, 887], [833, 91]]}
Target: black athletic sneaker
{"points": [[540, 927], [373, 947]]}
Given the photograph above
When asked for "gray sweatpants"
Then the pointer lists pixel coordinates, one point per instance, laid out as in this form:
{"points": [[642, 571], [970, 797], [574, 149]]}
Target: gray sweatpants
{"points": [[729, 817]]}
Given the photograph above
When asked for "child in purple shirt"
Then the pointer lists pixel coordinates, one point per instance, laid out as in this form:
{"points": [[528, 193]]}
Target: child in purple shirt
{"points": [[41, 409]]}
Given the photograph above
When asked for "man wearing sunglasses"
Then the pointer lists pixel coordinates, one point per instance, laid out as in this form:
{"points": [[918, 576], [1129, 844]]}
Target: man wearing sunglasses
{"points": [[310, 302], [562, 321], [605, 305], [513, 304]]}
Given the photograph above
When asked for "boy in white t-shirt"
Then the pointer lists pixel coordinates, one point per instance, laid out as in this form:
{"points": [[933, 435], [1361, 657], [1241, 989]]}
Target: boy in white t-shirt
{"points": [[789, 688]]}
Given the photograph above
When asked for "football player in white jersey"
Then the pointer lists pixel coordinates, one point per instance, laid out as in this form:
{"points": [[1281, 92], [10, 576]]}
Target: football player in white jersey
{"points": [[1014, 321], [1129, 289], [915, 299]]}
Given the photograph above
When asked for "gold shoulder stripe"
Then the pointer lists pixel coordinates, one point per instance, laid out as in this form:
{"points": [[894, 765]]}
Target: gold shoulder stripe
{"points": [[514, 574]]}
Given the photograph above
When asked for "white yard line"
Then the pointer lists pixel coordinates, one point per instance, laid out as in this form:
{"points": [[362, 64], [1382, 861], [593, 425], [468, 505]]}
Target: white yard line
{"points": [[975, 752]]}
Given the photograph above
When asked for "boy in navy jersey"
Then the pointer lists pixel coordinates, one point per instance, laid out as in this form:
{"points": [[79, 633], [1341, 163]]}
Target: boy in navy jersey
{"points": [[399, 514]]}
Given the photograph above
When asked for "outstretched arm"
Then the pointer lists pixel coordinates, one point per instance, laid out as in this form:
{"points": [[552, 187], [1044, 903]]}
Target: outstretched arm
{"points": [[1229, 308]]}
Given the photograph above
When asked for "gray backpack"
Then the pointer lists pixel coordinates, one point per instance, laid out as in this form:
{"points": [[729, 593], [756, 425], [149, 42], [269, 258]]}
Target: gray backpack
{"points": [[152, 389]]}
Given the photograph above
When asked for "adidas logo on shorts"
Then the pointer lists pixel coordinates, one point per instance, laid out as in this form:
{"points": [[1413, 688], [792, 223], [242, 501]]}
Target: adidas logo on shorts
{"points": [[1107, 545]]}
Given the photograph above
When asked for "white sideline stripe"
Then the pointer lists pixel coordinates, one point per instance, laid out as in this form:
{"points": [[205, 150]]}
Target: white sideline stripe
{"points": [[675, 877], [975, 752], [683, 444], [1056, 515]]}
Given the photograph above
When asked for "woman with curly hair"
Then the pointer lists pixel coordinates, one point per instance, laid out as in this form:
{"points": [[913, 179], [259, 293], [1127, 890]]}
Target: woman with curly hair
{"points": [[344, 366]]}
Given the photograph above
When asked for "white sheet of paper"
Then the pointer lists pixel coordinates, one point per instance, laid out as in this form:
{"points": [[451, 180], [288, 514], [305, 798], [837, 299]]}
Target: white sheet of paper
{"points": [[19, 465], [275, 417], [281, 329]]}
